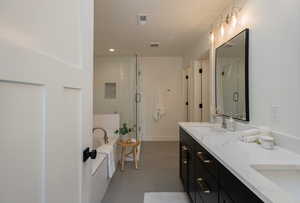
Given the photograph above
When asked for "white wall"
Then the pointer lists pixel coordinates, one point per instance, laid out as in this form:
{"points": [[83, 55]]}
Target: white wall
{"points": [[274, 60], [44, 27], [120, 70], [163, 73]]}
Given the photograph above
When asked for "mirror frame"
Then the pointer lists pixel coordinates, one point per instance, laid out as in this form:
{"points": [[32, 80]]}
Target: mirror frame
{"points": [[246, 31]]}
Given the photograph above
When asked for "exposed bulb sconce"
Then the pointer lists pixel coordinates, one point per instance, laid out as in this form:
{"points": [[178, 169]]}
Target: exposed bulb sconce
{"points": [[222, 30], [233, 20], [212, 37]]}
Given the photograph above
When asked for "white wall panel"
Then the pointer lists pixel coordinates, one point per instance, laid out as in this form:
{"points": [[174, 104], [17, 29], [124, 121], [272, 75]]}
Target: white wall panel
{"points": [[22, 140]]}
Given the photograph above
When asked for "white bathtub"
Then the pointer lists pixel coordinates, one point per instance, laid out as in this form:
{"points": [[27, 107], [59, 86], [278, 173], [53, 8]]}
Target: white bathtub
{"points": [[100, 178], [113, 140]]}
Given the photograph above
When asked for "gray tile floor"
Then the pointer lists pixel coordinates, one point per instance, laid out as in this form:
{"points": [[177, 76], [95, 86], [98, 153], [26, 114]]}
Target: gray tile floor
{"points": [[158, 172]]}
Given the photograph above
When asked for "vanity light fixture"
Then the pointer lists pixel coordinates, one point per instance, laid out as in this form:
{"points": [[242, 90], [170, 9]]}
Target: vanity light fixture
{"points": [[111, 50], [225, 20]]}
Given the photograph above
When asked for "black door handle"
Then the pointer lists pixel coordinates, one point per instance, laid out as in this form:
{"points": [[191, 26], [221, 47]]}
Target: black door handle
{"points": [[89, 154]]}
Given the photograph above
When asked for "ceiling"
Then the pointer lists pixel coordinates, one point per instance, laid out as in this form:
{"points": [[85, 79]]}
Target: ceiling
{"points": [[176, 24]]}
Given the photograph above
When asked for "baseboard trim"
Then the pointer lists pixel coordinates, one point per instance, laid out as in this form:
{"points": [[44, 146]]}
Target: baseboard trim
{"points": [[160, 138]]}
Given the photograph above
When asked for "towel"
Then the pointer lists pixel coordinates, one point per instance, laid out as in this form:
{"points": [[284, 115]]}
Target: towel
{"points": [[109, 151], [251, 138], [98, 139], [247, 133], [160, 109]]}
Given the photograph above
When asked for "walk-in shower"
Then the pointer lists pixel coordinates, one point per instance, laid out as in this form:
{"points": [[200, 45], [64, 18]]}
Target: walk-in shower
{"points": [[117, 89]]}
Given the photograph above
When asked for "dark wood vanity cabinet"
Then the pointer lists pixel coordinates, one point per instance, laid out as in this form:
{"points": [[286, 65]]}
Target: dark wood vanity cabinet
{"points": [[205, 179], [187, 165]]}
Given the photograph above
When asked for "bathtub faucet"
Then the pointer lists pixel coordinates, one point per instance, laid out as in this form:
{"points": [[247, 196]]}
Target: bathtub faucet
{"points": [[105, 134]]}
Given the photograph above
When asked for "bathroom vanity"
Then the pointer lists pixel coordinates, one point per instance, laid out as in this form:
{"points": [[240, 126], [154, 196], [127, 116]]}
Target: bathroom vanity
{"points": [[216, 167], [205, 179]]}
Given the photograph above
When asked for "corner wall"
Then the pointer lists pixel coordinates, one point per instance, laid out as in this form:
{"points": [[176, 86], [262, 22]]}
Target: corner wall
{"points": [[274, 61]]}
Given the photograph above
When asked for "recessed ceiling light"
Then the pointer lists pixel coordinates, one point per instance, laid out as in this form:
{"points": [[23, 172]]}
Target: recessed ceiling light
{"points": [[111, 50]]}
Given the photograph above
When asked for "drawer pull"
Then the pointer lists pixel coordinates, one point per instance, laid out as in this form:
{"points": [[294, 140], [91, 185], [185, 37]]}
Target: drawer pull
{"points": [[185, 162], [184, 148], [200, 156], [203, 186]]}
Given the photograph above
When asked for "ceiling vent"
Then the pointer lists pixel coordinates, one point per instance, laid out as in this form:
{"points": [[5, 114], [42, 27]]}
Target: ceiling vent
{"points": [[154, 44], [142, 19]]}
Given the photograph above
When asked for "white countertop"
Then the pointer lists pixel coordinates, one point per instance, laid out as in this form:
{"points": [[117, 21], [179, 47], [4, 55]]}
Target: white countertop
{"points": [[239, 157]]}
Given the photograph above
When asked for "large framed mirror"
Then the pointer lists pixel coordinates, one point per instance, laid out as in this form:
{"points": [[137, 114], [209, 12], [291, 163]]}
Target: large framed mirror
{"points": [[232, 77]]}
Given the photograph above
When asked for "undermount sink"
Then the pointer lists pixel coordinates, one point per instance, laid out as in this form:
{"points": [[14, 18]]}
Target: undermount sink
{"points": [[287, 177], [218, 129]]}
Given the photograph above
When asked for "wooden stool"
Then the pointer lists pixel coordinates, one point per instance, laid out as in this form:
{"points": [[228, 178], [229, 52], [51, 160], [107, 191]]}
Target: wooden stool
{"points": [[134, 151]]}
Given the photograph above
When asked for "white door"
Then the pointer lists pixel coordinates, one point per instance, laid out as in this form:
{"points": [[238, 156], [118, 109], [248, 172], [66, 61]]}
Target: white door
{"points": [[205, 93], [189, 93], [45, 100], [198, 94]]}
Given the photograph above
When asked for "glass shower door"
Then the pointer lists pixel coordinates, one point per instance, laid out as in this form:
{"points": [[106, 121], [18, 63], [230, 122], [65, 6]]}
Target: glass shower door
{"points": [[138, 98], [117, 90]]}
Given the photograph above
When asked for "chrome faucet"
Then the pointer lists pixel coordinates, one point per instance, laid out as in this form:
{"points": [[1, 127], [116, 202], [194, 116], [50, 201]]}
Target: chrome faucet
{"points": [[105, 134]]}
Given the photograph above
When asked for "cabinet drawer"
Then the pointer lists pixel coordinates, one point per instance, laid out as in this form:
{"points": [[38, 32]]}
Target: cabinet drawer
{"points": [[235, 188], [207, 160], [206, 184]]}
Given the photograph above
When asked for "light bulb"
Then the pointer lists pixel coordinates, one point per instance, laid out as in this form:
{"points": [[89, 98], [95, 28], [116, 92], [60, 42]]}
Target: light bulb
{"points": [[212, 37], [222, 30], [234, 20], [111, 50]]}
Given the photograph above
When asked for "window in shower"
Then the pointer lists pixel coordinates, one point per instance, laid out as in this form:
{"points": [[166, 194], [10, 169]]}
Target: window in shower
{"points": [[110, 90]]}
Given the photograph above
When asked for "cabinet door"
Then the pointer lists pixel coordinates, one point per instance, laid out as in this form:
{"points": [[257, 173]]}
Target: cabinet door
{"points": [[198, 198], [224, 198], [237, 191]]}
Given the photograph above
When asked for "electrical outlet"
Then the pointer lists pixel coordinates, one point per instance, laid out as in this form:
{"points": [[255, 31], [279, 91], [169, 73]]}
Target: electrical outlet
{"points": [[275, 113]]}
